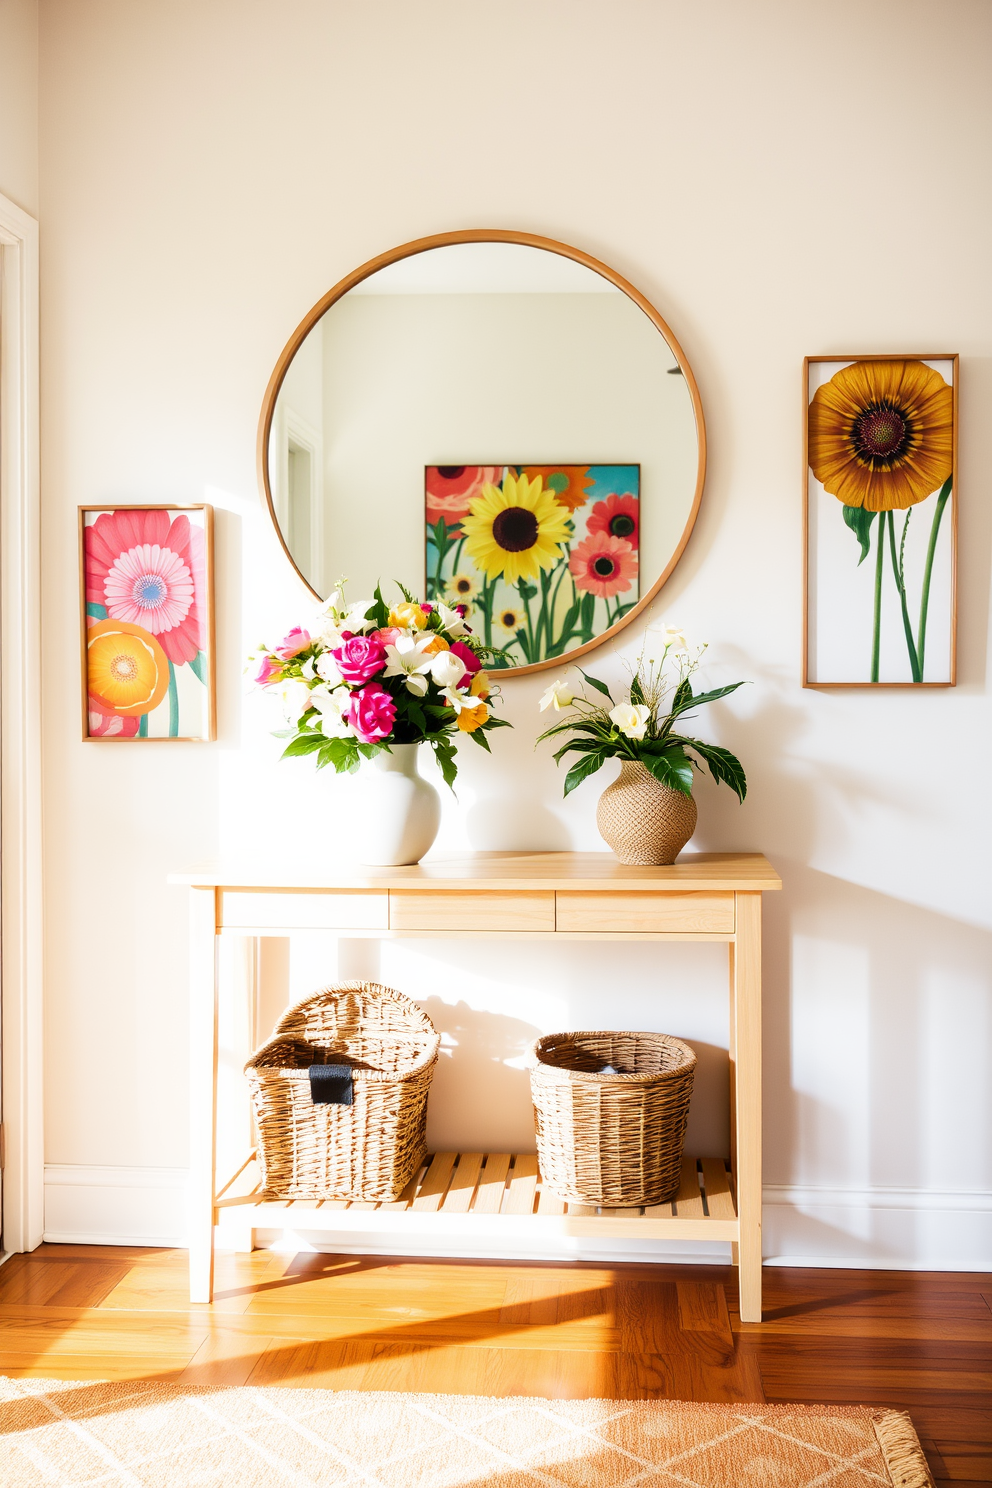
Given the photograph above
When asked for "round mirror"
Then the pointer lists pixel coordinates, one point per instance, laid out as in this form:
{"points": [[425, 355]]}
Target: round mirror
{"points": [[492, 419]]}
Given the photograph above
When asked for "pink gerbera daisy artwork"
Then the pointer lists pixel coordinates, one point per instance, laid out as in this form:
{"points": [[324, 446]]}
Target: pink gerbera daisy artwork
{"points": [[603, 565], [146, 569]]}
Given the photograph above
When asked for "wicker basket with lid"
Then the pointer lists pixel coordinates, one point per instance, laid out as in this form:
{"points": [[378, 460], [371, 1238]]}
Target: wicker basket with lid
{"points": [[611, 1112], [368, 1150]]}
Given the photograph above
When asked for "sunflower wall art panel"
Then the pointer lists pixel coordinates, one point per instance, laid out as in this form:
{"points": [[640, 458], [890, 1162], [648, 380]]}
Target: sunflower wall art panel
{"points": [[147, 622], [545, 557], [881, 520]]}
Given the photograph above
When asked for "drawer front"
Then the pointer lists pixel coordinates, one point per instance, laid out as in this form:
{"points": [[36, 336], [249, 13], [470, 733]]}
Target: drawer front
{"points": [[276, 909], [472, 910], [690, 914]]}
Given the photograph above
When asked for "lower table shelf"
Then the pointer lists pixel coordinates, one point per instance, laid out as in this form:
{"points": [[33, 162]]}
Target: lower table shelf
{"points": [[469, 1192]]}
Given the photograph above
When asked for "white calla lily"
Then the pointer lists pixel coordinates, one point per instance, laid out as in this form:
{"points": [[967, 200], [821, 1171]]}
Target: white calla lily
{"points": [[631, 719], [559, 695]]}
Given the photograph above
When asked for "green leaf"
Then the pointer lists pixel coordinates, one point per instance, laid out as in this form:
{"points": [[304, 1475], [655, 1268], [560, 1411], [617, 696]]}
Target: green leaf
{"points": [[492, 723], [636, 690], [379, 611], [478, 737], [723, 766], [860, 522], [198, 666], [525, 590], [705, 697], [683, 696], [580, 771], [99, 612], [673, 769], [410, 598], [595, 682], [302, 744], [445, 754], [578, 746]]}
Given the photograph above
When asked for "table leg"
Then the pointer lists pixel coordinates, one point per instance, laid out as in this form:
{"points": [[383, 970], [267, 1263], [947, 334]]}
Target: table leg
{"points": [[202, 1091], [745, 1076]]}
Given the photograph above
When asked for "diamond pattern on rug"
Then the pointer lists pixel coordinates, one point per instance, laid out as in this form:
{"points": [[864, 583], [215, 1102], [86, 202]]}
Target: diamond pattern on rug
{"points": [[144, 1435]]}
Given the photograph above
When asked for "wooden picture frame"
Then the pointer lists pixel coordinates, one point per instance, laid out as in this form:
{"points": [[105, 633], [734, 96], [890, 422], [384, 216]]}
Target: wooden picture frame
{"points": [[146, 562], [880, 617]]}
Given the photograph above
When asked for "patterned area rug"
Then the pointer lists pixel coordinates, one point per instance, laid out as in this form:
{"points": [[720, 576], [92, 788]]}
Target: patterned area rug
{"points": [[59, 1435]]}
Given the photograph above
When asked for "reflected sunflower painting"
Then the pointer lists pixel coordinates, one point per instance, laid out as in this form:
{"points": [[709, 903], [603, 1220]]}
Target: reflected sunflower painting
{"points": [[544, 557], [147, 622], [881, 520]]}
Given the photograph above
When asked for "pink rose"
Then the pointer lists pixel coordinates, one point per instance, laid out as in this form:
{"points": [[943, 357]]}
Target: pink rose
{"points": [[291, 645], [386, 636], [372, 713], [467, 657], [359, 658], [268, 673]]}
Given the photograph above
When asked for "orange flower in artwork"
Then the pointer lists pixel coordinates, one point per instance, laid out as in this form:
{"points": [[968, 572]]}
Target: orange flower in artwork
{"points": [[127, 670], [568, 483], [880, 434]]}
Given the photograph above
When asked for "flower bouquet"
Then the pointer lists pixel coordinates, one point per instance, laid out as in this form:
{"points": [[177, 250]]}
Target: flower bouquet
{"points": [[647, 815], [373, 677]]}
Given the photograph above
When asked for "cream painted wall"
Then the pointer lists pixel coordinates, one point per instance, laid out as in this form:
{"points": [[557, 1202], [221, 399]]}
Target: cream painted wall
{"points": [[19, 102], [780, 178]]}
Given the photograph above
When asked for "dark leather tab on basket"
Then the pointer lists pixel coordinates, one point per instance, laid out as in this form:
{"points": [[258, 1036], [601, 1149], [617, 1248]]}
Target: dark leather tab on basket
{"points": [[331, 1085]]}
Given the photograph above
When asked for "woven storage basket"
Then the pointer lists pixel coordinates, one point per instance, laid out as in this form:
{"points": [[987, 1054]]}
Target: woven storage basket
{"points": [[371, 1149], [613, 1140]]}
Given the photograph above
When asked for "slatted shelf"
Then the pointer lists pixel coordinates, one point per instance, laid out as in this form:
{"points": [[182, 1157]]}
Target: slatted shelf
{"points": [[469, 1192]]}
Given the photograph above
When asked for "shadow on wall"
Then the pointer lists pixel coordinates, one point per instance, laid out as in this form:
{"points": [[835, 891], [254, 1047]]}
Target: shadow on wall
{"points": [[481, 1101], [876, 1064]]}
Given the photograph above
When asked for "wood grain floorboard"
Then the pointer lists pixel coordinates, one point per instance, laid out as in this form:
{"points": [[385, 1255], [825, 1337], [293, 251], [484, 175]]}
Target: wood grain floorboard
{"points": [[916, 1341]]}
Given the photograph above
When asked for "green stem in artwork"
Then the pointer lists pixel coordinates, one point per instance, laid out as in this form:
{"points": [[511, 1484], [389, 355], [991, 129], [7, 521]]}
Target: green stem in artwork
{"points": [[143, 726], [173, 703], [530, 626], [486, 606], [921, 634], [876, 636], [914, 666]]}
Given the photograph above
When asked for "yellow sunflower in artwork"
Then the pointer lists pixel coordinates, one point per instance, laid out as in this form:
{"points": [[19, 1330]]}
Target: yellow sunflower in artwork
{"points": [[880, 434], [126, 669], [515, 531]]}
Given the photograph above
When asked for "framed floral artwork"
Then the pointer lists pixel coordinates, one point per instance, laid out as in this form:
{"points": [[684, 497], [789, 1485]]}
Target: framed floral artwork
{"points": [[880, 524], [545, 557], [146, 582]]}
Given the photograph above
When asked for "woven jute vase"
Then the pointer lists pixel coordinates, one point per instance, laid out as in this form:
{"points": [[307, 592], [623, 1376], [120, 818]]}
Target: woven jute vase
{"points": [[642, 820]]}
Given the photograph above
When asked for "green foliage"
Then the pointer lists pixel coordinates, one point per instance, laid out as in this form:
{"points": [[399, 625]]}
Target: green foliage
{"points": [[585, 767], [595, 682], [860, 522]]}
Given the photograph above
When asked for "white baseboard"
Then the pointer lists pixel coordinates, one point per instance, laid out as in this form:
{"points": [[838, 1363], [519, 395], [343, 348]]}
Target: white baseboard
{"points": [[877, 1229], [873, 1229], [114, 1205]]}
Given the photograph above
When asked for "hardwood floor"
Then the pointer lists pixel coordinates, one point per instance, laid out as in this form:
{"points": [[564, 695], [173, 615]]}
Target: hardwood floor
{"points": [[921, 1342]]}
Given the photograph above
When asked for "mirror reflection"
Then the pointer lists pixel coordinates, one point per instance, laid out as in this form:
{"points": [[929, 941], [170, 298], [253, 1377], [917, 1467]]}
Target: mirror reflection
{"points": [[492, 424]]}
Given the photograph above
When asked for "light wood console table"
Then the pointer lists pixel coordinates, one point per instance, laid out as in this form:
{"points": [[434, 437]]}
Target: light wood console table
{"points": [[564, 896]]}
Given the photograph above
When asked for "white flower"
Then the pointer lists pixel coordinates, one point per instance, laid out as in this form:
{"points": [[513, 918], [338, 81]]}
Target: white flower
{"points": [[327, 668], [408, 658], [333, 603], [307, 669], [631, 719], [459, 700], [453, 623], [446, 669], [355, 620], [333, 708], [673, 637], [295, 699], [557, 696]]}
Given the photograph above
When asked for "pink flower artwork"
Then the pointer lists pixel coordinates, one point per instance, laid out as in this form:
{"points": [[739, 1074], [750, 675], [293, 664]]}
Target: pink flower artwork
{"points": [[148, 569]]}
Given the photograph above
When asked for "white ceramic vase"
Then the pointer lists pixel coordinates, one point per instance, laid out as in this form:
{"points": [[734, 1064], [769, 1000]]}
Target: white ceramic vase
{"points": [[399, 811]]}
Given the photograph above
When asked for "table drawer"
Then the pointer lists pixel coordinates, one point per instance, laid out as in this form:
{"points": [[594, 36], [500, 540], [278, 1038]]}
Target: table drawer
{"points": [[691, 914], [471, 909], [283, 909]]}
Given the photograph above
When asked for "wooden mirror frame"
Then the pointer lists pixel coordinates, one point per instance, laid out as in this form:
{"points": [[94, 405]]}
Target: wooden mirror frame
{"points": [[527, 240]]}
